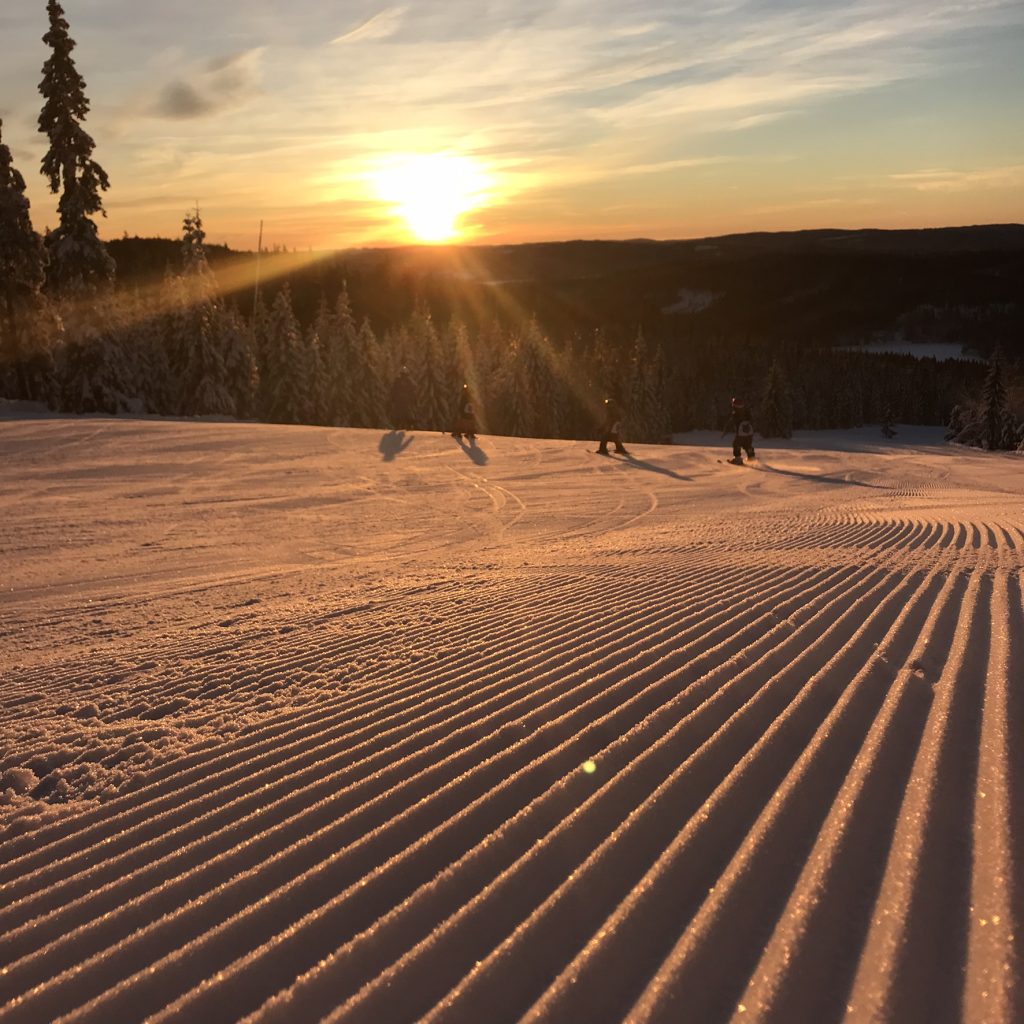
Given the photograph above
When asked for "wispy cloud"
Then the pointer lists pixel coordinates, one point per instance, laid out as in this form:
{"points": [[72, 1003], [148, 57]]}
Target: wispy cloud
{"points": [[945, 180], [221, 84], [381, 26]]}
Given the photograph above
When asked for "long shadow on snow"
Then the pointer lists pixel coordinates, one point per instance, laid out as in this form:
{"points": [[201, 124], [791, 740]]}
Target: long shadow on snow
{"points": [[478, 455], [632, 460], [393, 443], [819, 479]]}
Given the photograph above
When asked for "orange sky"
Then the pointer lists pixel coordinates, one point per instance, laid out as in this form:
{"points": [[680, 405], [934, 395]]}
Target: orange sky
{"points": [[581, 119]]}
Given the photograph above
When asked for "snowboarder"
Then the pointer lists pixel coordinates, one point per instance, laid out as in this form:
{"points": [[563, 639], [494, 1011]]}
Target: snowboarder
{"points": [[742, 426], [465, 421], [403, 399], [611, 428]]}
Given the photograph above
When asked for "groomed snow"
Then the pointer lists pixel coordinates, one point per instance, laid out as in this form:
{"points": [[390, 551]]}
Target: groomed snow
{"points": [[304, 724]]}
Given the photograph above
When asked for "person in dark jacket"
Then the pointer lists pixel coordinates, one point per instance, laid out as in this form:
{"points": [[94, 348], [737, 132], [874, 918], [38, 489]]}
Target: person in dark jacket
{"points": [[465, 420], [742, 425], [403, 400], [611, 428]]}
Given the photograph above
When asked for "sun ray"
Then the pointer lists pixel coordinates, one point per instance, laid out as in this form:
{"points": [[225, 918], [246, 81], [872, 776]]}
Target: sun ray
{"points": [[154, 299]]}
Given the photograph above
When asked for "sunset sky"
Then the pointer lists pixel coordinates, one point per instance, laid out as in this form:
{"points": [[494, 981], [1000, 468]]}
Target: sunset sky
{"points": [[355, 123]]}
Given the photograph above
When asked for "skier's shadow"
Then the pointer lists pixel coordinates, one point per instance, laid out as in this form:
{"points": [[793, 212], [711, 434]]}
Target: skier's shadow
{"points": [[632, 460], [820, 478], [477, 454], [393, 443]]}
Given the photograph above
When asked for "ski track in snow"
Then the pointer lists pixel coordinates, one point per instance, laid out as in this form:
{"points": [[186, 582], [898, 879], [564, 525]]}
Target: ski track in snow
{"points": [[298, 729]]}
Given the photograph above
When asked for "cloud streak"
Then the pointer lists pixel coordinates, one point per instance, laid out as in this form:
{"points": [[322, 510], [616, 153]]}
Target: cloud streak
{"points": [[382, 25], [944, 180], [221, 84]]}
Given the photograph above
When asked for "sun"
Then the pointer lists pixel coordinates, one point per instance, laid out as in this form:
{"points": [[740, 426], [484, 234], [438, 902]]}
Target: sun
{"points": [[432, 191]]}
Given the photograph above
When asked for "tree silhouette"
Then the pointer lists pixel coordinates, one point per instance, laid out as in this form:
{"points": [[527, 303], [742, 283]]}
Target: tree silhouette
{"points": [[776, 415], [22, 272], [77, 256], [282, 372], [994, 410]]}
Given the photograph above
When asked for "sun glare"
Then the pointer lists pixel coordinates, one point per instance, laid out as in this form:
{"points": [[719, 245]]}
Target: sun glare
{"points": [[431, 192]]}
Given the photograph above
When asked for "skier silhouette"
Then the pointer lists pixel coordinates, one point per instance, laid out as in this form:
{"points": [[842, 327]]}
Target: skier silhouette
{"points": [[742, 426], [465, 420], [611, 428]]}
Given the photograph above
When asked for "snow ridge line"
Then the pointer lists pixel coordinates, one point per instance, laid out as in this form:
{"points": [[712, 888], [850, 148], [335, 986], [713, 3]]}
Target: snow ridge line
{"points": [[755, 876], [619, 864], [283, 764], [248, 982], [409, 679], [131, 991], [306, 852]]}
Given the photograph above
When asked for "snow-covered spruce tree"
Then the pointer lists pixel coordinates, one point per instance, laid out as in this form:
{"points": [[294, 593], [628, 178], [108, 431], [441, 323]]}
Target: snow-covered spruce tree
{"points": [[956, 422], [482, 369], [314, 374], [775, 418], [435, 384], [337, 332], [369, 402], [78, 259], [22, 272], [543, 372], [994, 410], [93, 372], [656, 396], [516, 403], [241, 373], [636, 390], [646, 399], [196, 323], [157, 386], [285, 388]]}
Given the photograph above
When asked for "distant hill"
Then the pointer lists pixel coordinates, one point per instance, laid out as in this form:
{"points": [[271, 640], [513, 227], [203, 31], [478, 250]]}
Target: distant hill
{"points": [[805, 288]]}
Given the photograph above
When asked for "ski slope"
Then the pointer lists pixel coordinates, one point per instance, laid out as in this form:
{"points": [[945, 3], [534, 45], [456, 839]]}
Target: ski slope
{"points": [[304, 724]]}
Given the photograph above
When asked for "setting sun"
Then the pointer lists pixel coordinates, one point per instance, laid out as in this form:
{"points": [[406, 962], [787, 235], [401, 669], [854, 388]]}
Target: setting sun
{"points": [[430, 192]]}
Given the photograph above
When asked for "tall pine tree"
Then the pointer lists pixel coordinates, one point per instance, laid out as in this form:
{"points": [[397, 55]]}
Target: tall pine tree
{"points": [[243, 379], [286, 388], [436, 386], [197, 322], [776, 415], [994, 410], [78, 259], [367, 380], [22, 269]]}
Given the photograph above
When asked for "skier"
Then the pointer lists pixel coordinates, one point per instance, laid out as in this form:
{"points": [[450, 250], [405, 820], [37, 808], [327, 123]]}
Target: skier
{"points": [[403, 398], [743, 432], [611, 428], [465, 421]]}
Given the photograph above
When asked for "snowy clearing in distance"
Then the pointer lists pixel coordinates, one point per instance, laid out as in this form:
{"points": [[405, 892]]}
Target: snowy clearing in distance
{"points": [[304, 724], [939, 350]]}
